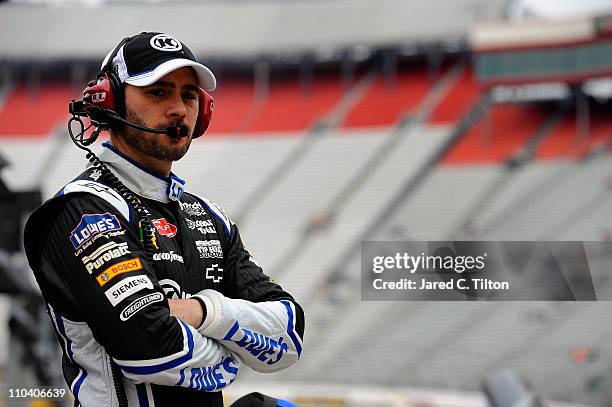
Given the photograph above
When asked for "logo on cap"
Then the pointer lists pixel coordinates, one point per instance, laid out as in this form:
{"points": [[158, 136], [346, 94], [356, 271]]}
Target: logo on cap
{"points": [[164, 42]]}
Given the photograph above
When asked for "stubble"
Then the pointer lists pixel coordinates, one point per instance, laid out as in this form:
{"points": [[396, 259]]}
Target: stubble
{"points": [[147, 143]]}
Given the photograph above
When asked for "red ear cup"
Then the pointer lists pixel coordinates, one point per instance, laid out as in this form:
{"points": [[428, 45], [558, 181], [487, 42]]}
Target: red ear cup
{"points": [[100, 93], [107, 93], [205, 114]]}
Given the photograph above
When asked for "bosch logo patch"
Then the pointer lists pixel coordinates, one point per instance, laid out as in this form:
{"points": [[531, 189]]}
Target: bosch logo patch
{"points": [[117, 269], [164, 228]]}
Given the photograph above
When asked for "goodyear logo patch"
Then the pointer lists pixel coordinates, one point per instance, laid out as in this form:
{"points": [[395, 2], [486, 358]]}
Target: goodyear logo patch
{"points": [[92, 225], [119, 268]]}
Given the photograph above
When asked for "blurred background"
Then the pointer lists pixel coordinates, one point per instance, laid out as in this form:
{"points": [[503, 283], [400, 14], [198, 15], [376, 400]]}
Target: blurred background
{"points": [[340, 121]]}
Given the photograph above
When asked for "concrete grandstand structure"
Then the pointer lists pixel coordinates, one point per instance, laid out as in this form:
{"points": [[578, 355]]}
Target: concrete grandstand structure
{"points": [[314, 155]]}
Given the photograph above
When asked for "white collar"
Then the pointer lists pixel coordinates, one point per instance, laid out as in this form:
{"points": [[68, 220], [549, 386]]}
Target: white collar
{"points": [[141, 180]]}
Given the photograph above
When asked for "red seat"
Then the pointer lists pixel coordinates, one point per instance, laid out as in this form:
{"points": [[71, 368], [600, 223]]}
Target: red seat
{"points": [[35, 113]]}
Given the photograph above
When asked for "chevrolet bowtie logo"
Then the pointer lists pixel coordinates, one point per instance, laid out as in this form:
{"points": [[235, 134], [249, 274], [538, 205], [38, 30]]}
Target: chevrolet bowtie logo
{"points": [[214, 273]]}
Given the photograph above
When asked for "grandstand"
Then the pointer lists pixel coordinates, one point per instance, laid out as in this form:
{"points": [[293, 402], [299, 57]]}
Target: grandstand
{"points": [[392, 135]]}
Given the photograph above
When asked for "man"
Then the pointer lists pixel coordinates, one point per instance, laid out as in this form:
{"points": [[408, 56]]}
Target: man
{"points": [[153, 297]]}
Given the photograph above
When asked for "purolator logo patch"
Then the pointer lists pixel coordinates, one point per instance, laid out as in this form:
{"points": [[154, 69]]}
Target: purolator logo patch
{"points": [[119, 268], [104, 254]]}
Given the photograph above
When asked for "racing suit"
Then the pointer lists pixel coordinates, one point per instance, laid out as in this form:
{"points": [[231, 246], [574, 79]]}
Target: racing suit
{"points": [[107, 298]]}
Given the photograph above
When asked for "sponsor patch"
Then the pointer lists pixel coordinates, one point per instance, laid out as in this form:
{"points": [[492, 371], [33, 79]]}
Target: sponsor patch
{"points": [[164, 228], [192, 209], [92, 225], [172, 289], [119, 268], [209, 249], [106, 235], [214, 273], [175, 188], [171, 257], [204, 226], [103, 254], [127, 287], [139, 304], [165, 42], [95, 174], [266, 349]]}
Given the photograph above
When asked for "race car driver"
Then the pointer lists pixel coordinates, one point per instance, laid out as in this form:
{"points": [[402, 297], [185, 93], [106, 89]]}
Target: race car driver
{"points": [[153, 297]]}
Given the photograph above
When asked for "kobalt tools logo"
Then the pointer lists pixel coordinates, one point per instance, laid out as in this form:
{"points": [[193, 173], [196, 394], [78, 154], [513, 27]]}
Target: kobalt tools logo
{"points": [[92, 225], [209, 249], [192, 209], [214, 273], [164, 42], [164, 228], [127, 287], [171, 256], [104, 254], [139, 304], [119, 268]]}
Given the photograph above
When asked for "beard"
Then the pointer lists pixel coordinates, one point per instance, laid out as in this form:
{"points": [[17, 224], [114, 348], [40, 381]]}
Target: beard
{"points": [[148, 144]]}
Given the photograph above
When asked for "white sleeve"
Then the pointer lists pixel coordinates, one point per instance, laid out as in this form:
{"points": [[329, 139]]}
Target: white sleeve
{"points": [[262, 334], [202, 365]]}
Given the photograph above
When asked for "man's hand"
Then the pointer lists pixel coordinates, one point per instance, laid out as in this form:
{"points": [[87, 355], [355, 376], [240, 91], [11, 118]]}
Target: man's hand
{"points": [[188, 310]]}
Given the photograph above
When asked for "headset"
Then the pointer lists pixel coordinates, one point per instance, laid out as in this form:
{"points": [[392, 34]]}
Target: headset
{"points": [[104, 104]]}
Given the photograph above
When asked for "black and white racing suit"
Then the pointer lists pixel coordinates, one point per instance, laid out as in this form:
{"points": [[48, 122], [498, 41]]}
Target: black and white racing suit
{"points": [[108, 303]]}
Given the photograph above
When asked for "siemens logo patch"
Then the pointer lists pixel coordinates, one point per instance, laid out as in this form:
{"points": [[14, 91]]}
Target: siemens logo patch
{"points": [[215, 377], [139, 304], [92, 225], [262, 347], [104, 254], [127, 287]]}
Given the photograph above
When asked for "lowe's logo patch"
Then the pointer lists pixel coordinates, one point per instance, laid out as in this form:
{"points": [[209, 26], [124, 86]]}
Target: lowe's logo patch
{"points": [[262, 347], [92, 225]]}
